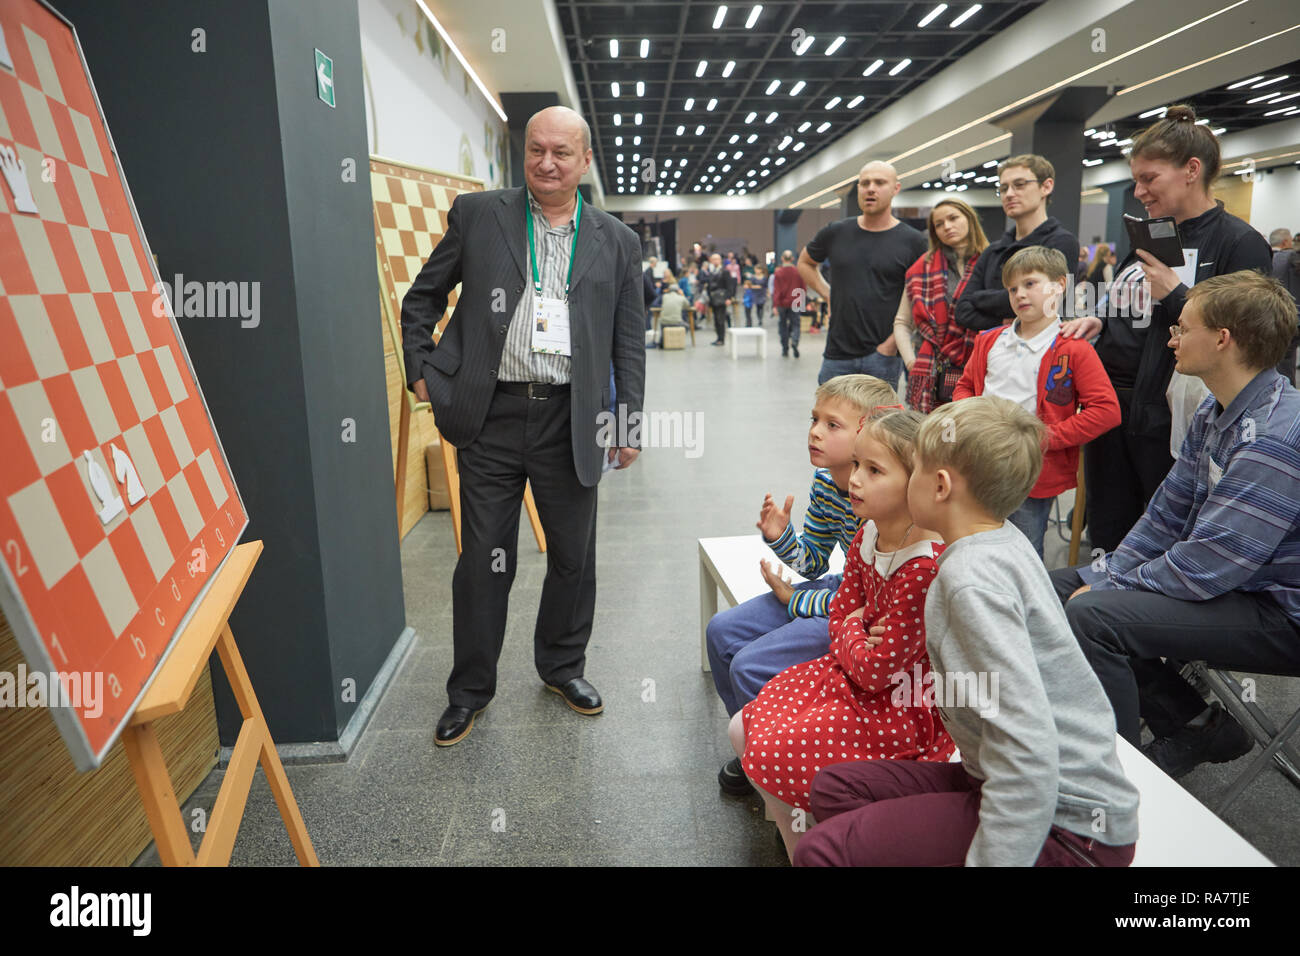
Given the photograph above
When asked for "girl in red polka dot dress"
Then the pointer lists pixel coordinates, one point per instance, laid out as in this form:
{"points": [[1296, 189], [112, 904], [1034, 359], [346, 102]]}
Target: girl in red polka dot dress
{"points": [[848, 704]]}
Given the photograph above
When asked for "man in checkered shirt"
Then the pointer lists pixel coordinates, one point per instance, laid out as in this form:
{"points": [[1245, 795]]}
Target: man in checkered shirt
{"points": [[523, 401]]}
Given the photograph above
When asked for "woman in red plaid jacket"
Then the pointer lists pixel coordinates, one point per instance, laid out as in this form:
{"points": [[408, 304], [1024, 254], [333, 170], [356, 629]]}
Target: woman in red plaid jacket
{"points": [[933, 284]]}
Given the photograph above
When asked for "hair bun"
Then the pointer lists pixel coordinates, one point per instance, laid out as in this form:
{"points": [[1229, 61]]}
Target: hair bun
{"points": [[1181, 112]]}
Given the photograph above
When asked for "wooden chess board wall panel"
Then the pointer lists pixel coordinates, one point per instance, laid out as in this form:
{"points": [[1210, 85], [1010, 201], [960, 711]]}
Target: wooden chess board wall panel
{"points": [[411, 206]]}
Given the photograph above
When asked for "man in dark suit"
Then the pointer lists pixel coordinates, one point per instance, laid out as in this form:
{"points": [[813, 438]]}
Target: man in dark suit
{"points": [[520, 384]]}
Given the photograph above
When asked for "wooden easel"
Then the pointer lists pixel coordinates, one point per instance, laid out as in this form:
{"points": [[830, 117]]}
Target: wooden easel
{"points": [[168, 694], [410, 405]]}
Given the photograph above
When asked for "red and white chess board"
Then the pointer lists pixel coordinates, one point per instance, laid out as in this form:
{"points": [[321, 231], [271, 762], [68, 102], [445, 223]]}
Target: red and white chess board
{"points": [[117, 505]]}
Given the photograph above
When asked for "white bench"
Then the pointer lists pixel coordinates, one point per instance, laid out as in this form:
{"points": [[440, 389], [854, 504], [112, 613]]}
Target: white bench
{"points": [[1175, 829], [730, 566], [734, 335]]}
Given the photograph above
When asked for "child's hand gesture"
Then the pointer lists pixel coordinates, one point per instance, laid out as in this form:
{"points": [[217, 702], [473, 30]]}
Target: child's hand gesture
{"points": [[773, 520], [782, 589]]}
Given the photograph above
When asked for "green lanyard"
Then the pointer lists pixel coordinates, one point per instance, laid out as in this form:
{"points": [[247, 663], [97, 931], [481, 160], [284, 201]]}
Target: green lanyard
{"points": [[532, 249]]}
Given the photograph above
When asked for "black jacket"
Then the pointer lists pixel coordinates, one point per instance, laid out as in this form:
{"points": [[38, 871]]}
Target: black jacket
{"points": [[1224, 244], [984, 303], [720, 282]]}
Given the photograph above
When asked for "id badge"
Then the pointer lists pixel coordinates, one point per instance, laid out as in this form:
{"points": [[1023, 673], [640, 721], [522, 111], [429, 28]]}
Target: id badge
{"points": [[551, 326]]}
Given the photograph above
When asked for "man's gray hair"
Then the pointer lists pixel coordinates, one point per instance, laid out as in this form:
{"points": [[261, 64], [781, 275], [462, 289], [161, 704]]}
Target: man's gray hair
{"points": [[1278, 236]]}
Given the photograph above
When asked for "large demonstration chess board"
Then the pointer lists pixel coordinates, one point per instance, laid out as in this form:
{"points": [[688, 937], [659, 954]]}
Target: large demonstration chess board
{"points": [[117, 505], [410, 213]]}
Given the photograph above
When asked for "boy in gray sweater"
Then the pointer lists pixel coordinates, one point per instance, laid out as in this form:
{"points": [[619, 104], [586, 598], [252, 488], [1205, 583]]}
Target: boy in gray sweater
{"points": [[1039, 781]]}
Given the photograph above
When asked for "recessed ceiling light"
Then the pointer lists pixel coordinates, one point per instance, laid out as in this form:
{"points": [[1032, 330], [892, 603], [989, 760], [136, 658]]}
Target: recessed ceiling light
{"points": [[613, 88], [618, 140], [799, 146], [619, 158], [1092, 162], [668, 162], [636, 157], [824, 127], [1222, 129], [699, 130], [771, 118], [680, 130], [797, 88], [677, 175], [752, 137], [645, 48], [803, 127], [704, 65], [736, 155], [764, 161], [1284, 109], [638, 119], [970, 12], [1276, 79], [967, 175], [853, 103], [636, 140], [713, 169], [727, 168], [900, 66], [990, 164], [690, 103], [750, 118], [1263, 98], [753, 16], [780, 160], [1289, 96], [764, 172], [697, 187], [929, 17], [640, 88], [613, 48], [1202, 122], [620, 188], [719, 16], [735, 138], [835, 45], [1244, 82], [717, 178], [803, 46], [618, 119], [1086, 132], [833, 102], [785, 142], [873, 67], [722, 155], [711, 104], [1158, 111], [726, 70], [773, 87]]}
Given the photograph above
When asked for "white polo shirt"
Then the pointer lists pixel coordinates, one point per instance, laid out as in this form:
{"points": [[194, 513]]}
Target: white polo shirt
{"points": [[1013, 365]]}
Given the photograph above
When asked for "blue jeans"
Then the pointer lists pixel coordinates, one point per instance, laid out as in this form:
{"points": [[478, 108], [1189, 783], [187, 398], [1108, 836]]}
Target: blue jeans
{"points": [[1031, 518], [886, 367], [751, 643]]}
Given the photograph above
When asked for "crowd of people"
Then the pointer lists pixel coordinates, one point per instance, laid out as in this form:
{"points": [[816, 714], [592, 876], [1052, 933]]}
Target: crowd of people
{"points": [[947, 699]]}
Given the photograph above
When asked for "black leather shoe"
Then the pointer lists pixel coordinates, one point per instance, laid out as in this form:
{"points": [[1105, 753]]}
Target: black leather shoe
{"points": [[579, 695], [454, 725], [1212, 738], [732, 779]]}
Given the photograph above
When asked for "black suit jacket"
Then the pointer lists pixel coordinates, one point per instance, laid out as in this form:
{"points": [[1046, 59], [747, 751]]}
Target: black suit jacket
{"points": [[485, 249]]}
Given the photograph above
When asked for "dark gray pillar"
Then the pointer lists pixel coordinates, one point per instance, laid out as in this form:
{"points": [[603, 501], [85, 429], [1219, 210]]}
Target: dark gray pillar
{"points": [[239, 174], [1121, 200], [1053, 128], [785, 232], [849, 208]]}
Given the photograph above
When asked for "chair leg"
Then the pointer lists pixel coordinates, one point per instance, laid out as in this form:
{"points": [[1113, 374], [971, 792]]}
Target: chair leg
{"points": [[1275, 743]]}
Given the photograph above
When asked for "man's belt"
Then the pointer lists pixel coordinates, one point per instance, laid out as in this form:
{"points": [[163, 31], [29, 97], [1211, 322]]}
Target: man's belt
{"points": [[538, 390]]}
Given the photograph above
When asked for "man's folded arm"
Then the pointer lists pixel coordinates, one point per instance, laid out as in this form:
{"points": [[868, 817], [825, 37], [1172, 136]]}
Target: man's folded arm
{"points": [[426, 301]]}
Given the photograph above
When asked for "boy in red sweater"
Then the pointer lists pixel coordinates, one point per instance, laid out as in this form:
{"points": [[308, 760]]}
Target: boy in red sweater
{"points": [[1061, 380]]}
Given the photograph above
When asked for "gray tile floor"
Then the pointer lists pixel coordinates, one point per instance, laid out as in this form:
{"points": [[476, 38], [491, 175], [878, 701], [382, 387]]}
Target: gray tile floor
{"points": [[535, 783]]}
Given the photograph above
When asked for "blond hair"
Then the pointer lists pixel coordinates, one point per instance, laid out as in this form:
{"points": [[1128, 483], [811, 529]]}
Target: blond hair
{"points": [[994, 444], [864, 392], [1050, 262], [1256, 309], [896, 430]]}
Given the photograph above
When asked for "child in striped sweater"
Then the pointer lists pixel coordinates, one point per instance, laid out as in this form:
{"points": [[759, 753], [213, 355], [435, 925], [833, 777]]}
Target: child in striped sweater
{"points": [[753, 642]]}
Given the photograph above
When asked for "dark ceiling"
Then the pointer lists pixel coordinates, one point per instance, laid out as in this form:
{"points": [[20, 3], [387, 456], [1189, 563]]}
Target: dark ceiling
{"points": [[761, 45]]}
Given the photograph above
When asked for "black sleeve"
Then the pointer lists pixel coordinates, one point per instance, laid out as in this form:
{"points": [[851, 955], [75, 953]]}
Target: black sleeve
{"points": [[426, 301], [980, 307], [820, 246]]}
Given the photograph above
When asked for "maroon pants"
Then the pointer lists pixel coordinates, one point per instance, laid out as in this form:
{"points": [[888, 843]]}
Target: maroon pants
{"points": [[911, 813]]}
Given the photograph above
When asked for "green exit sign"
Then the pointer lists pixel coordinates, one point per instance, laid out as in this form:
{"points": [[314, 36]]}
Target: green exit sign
{"points": [[325, 79]]}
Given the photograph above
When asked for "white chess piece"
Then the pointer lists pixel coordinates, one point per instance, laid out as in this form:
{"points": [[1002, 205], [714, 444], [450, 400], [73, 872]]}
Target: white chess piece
{"points": [[124, 468], [104, 490], [15, 173]]}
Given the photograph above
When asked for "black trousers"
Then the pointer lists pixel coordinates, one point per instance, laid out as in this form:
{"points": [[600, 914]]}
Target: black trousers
{"points": [[721, 319], [522, 439], [788, 327], [1122, 472], [1125, 635]]}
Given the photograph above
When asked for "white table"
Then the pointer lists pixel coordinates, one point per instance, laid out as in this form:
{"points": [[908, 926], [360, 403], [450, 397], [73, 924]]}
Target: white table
{"points": [[734, 335], [730, 566]]}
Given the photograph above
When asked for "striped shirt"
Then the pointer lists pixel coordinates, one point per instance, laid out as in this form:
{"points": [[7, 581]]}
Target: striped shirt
{"points": [[1227, 518], [519, 363], [829, 519]]}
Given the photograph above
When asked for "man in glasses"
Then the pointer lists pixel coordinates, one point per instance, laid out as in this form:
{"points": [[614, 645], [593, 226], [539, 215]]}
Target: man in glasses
{"points": [[1024, 184], [1211, 571]]}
